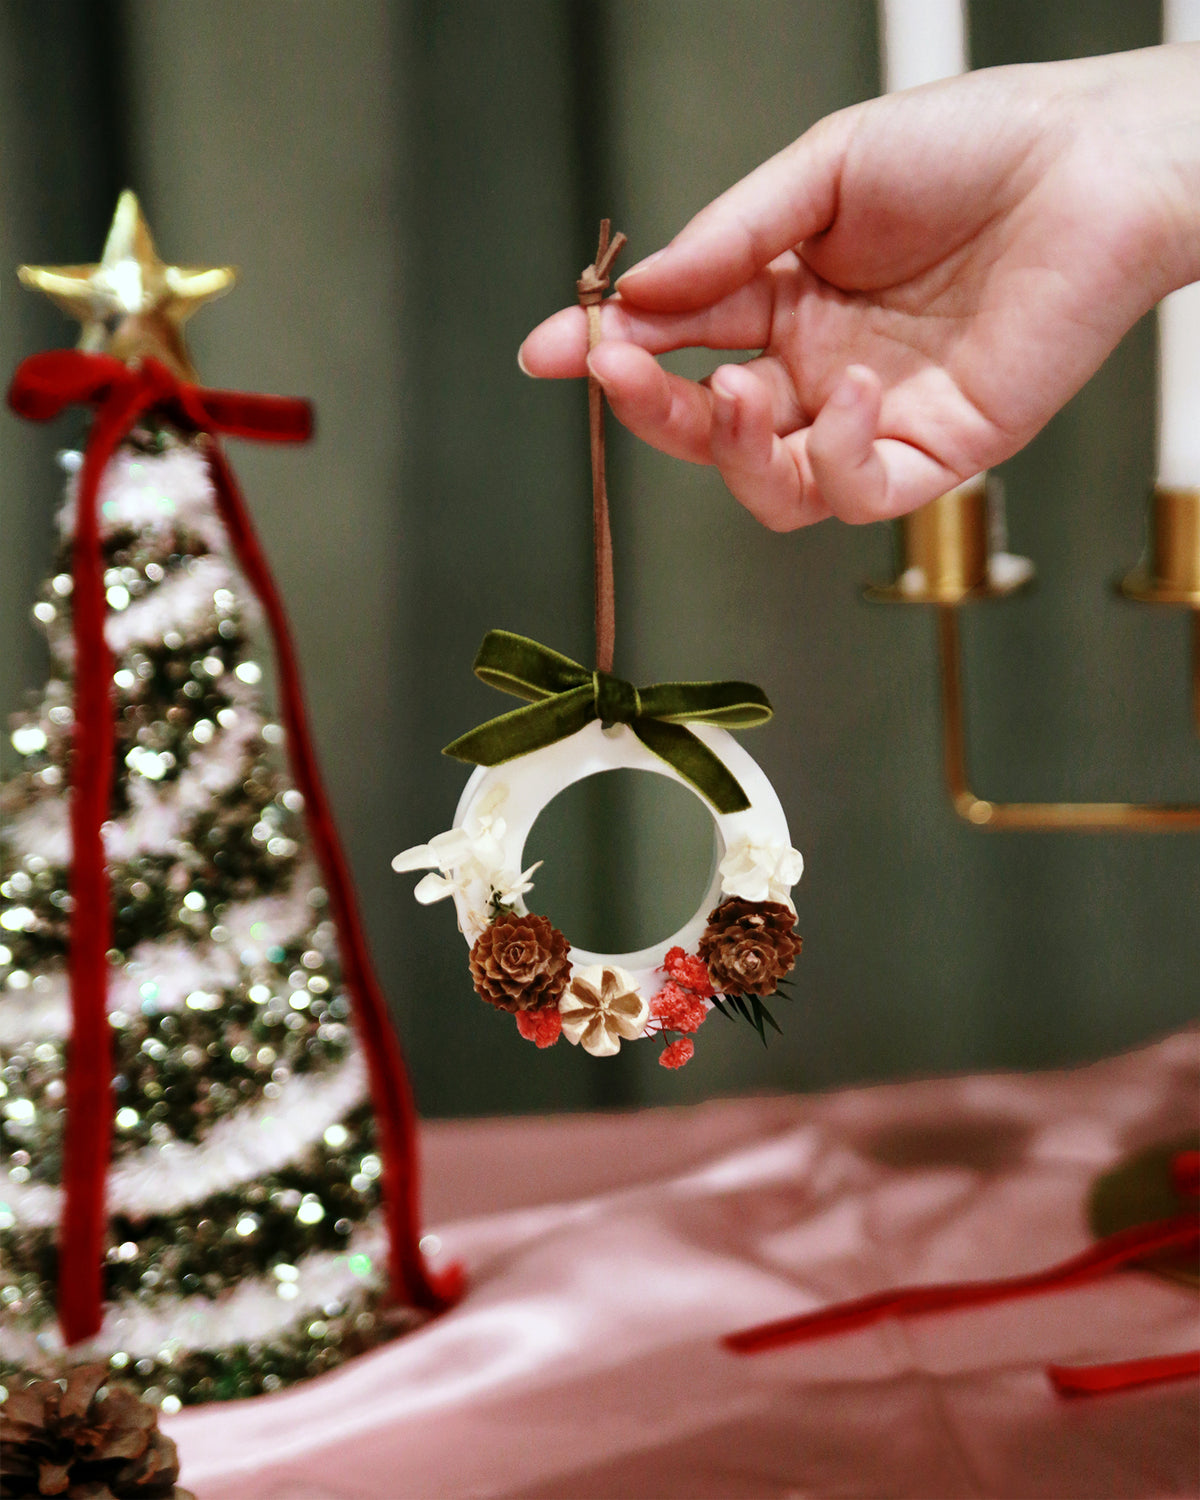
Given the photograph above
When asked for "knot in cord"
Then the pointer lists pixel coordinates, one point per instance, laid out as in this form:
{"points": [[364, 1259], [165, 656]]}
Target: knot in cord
{"points": [[591, 287], [595, 281], [617, 701]]}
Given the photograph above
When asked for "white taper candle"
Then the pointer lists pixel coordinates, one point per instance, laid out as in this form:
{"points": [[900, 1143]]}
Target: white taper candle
{"points": [[922, 41]]}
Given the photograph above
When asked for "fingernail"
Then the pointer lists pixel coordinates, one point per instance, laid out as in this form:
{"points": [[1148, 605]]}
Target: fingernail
{"points": [[845, 394], [724, 405], [521, 365], [596, 374], [642, 265]]}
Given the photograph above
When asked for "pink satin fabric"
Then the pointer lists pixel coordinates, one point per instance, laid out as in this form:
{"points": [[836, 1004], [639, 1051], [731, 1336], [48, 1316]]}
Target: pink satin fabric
{"points": [[608, 1254]]}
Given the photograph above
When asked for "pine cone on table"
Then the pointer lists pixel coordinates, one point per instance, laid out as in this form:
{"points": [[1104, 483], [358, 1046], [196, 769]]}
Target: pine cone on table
{"points": [[520, 963], [749, 946], [84, 1442]]}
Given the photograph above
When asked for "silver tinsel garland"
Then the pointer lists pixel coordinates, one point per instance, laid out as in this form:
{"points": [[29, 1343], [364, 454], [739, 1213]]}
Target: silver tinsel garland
{"points": [[245, 1247]]}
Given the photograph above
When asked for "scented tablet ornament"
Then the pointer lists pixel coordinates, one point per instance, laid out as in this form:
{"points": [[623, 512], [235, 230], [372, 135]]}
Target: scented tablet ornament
{"points": [[576, 723]]}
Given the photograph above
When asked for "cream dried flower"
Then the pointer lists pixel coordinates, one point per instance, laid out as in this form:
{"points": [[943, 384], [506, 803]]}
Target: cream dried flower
{"points": [[478, 843], [603, 1005], [468, 863], [760, 872]]}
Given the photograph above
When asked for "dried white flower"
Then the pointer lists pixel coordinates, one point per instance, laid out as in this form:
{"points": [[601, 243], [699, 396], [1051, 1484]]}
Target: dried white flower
{"points": [[468, 863], [760, 872], [507, 888]]}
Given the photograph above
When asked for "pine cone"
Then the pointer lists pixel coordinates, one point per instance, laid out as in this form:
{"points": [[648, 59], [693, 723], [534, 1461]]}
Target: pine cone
{"points": [[74, 1443], [520, 963], [749, 946]]}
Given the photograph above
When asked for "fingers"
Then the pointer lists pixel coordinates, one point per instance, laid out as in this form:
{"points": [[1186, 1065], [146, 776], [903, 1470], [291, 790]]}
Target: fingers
{"points": [[790, 198], [840, 447], [664, 410], [704, 423], [731, 424], [836, 467], [785, 479], [557, 348], [759, 468], [858, 476]]}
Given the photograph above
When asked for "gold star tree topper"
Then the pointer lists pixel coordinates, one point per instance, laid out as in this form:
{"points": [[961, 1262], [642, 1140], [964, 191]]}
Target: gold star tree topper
{"points": [[131, 305]]}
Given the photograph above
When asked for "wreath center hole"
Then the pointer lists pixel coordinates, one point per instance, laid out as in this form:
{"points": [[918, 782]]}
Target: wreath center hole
{"points": [[628, 858]]}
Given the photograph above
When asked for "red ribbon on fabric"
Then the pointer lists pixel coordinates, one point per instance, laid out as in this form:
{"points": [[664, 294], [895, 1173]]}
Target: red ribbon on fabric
{"points": [[1094, 1380], [45, 385], [1126, 1247], [1185, 1174]]}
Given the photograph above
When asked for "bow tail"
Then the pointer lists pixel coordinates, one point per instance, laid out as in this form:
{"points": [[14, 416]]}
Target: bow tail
{"points": [[686, 753], [87, 1131], [391, 1094], [525, 729]]}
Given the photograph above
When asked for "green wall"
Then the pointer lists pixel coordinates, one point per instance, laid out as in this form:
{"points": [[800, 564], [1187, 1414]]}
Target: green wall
{"points": [[407, 189]]}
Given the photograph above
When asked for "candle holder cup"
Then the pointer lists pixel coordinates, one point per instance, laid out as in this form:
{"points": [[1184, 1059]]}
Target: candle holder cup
{"points": [[953, 551], [1170, 571]]}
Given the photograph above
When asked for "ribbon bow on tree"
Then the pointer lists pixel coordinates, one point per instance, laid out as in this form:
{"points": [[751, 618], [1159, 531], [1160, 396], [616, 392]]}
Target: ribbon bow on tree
{"points": [[564, 697]]}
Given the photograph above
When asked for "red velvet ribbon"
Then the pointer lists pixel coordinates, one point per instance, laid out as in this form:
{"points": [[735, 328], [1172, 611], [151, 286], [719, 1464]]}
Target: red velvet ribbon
{"points": [[1185, 1174], [1094, 1380], [1124, 1248], [44, 386]]}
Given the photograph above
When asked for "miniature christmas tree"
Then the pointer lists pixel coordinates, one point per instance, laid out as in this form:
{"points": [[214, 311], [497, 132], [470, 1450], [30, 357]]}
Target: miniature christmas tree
{"points": [[246, 1243]]}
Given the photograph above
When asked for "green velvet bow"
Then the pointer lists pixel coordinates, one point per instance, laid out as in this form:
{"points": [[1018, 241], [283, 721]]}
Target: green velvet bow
{"points": [[563, 697]]}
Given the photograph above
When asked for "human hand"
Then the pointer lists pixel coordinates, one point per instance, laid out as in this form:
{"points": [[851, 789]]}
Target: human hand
{"points": [[929, 276]]}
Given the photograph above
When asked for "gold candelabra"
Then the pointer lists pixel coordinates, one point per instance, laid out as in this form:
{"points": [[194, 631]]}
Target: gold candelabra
{"points": [[954, 551]]}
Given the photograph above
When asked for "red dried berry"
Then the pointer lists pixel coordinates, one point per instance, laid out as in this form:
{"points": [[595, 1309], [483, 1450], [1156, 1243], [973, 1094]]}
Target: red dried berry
{"points": [[677, 1009], [678, 1052], [542, 1027], [690, 971]]}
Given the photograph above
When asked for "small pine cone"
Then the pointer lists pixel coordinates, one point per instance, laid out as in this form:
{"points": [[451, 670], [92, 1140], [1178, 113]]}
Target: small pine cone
{"points": [[74, 1442], [749, 946], [520, 963]]}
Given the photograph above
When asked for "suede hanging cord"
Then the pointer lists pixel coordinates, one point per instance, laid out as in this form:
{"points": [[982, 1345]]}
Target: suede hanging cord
{"points": [[591, 288], [563, 696]]}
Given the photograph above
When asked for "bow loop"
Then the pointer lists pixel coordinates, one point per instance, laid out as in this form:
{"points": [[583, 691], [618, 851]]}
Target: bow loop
{"points": [[46, 384], [617, 701], [562, 697]]}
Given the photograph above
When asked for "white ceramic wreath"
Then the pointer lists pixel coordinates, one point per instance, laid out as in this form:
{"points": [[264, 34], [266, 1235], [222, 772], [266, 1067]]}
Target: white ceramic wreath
{"points": [[595, 999]]}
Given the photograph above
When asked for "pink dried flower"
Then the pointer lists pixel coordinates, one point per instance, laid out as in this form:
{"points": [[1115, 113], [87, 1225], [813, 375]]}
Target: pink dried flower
{"points": [[677, 1009], [678, 1052], [542, 1027], [688, 970]]}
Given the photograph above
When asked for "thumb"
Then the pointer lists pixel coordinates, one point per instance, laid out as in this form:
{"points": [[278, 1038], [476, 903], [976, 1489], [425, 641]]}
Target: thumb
{"points": [[790, 198]]}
